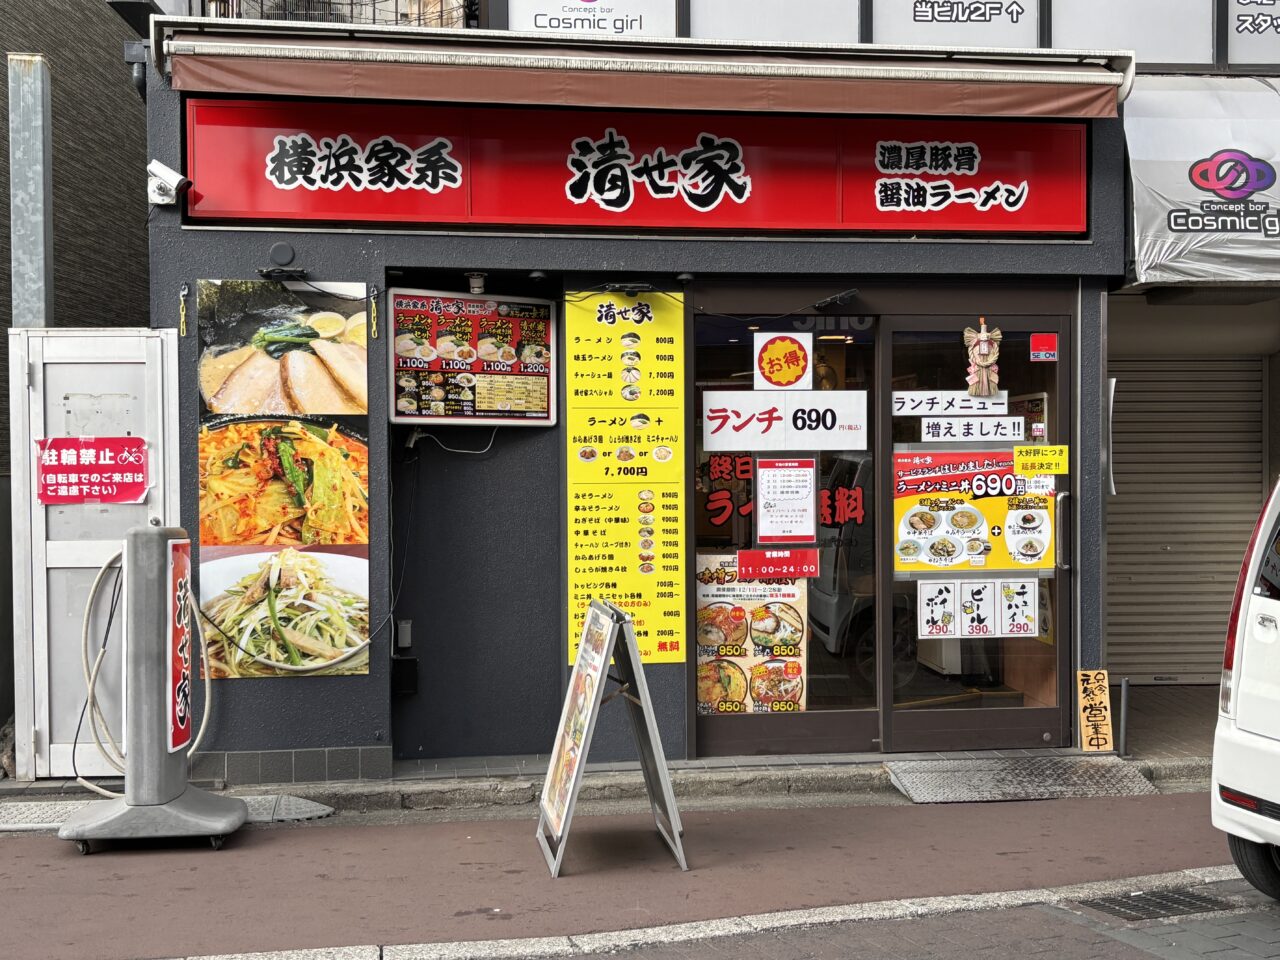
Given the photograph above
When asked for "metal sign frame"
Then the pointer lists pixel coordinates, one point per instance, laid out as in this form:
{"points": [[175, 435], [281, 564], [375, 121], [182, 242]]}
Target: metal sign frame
{"points": [[629, 677]]}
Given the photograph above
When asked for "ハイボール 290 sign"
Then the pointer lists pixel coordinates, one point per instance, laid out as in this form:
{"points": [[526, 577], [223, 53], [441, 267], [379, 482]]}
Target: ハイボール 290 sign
{"points": [[254, 160]]}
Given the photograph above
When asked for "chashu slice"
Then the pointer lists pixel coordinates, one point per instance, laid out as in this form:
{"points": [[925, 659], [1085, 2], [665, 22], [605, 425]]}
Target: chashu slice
{"points": [[349, 365], [252, 387], [310, 388]]}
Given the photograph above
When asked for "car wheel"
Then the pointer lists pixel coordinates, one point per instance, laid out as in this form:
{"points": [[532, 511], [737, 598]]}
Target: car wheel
{"points": [[904, 652], [1259, 862]]}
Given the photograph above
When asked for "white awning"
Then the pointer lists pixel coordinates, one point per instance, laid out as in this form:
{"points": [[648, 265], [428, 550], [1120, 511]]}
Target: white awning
{"points": [[1203, 157]]}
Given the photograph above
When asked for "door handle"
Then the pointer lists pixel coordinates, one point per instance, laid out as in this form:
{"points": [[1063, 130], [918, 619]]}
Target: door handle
{"points": [[1059, 532], [1267, 622]]}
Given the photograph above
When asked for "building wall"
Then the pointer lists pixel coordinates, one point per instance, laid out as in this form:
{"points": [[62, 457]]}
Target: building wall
{"points": [[99, 198], [1179, 34]]}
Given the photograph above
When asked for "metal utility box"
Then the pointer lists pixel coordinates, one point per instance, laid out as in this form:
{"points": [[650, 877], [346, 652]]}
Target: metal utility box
{"points": [[79, 383]]}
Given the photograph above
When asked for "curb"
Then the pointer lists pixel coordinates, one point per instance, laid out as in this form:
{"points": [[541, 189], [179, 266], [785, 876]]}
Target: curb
{"points": [[578, 945], [477, 793], [1176, 769]]}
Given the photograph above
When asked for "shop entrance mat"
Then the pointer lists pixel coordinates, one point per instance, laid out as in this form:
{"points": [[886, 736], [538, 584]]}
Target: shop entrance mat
{"points": [[1016, 778], [23, 816]]}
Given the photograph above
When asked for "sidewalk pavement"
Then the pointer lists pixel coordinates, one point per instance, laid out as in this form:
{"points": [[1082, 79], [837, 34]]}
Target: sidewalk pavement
{"points": [[340, 884]]}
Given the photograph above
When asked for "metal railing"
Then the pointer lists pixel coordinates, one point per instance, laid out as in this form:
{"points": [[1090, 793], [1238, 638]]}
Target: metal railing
{"points": [[406, 13]]}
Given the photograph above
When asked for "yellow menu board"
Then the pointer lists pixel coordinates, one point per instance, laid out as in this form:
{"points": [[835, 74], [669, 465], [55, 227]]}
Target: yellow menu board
{"points": [[624, 450], [971, 512]]}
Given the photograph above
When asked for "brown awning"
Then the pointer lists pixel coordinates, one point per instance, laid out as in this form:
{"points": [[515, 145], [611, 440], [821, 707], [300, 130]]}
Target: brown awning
{"points": [[257, 58]]}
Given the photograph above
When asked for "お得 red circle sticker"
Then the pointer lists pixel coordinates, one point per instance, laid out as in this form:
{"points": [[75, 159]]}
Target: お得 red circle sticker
{"points": [[782, 361]]}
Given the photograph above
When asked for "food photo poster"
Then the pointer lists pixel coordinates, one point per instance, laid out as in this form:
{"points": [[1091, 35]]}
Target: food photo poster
{"points": [[283, 476]]}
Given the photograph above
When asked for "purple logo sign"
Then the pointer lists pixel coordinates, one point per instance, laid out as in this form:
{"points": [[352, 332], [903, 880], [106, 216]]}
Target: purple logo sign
{"points": [[1232, 174]]}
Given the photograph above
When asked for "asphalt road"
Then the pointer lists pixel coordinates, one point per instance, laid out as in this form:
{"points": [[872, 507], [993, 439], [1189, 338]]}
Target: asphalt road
{"points": [[347, 883], [1246, 929]]}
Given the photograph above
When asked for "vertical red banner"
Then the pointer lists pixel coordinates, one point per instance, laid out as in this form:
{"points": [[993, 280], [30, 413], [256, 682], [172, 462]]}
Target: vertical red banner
{"points": [[178, 647]]}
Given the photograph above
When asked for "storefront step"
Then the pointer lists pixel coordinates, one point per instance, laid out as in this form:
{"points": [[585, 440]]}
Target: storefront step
{"points": [[700, 784], [691, 786]]}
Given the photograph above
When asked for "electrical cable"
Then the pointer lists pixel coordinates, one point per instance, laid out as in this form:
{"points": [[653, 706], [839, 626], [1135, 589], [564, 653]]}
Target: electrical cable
{"points": [[90, 677], [91, 706], [419, 432]]}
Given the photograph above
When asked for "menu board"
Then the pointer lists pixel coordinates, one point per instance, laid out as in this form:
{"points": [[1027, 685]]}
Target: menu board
{"points": [[753, 638], [577, 719], [625, 455], [472, 359], [965, 510], [978, 608]]}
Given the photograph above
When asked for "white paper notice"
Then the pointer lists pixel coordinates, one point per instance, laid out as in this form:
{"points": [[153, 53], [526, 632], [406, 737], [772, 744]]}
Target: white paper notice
{"points": [[961, 429], [786, 501], [936, 608], [784, 420], [1019, 608], [946, 403], [978, 608]]}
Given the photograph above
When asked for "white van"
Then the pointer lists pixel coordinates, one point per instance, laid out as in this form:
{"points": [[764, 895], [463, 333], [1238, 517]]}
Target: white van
{"points": [[1246, 746]]}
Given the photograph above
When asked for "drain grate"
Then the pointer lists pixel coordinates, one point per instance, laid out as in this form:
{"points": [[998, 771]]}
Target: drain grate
{"points": [[1156, 906]]}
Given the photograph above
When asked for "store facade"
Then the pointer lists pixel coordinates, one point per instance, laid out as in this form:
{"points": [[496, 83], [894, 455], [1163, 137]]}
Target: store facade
{"points": [[1193, 345], [697, 334]]}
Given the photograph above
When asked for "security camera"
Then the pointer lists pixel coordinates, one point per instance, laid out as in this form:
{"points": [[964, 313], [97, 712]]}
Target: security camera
{"points": [[164, 184]]}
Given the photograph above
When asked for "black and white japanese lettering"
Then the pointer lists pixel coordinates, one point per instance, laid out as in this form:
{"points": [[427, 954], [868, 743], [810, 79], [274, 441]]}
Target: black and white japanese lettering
{"points": [[712, 169], [603, 171], [384, 163], [927, 156], [292, 162], [903, 193], [434, 168], [966, 11]]}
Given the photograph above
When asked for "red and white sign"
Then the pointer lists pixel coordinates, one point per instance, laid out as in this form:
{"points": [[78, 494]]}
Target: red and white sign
{"points": [[178, 648], [977, 474], [784, 361], [1044, 347], [784, 420], [786, 504], [344, 162], [767, 564], [91, 470]]}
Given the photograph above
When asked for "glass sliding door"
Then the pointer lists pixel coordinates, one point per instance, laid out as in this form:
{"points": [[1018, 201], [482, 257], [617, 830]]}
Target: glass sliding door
{"points": [[827, 670], [975, 637]]}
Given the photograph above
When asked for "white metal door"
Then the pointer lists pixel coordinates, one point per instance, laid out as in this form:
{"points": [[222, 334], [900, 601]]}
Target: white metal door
{"points": [[66, 383], [1188, 448]]}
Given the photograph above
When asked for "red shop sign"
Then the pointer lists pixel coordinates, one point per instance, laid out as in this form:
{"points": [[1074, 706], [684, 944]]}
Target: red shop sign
{"points": [[91, 470], [767, 564], [348, 162]]}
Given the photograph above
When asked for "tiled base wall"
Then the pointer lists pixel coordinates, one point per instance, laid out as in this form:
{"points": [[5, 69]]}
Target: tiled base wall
{"points": [[293, 766]]}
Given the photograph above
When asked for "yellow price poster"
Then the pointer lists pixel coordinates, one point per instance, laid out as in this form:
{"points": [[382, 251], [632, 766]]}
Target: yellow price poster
{"points": [[625, 433], [960, 511], [1033, 461]]}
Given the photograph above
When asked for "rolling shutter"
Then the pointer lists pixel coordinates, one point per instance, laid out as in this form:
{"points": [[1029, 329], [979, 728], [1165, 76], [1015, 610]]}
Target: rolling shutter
{"points": [[1188, 449]]}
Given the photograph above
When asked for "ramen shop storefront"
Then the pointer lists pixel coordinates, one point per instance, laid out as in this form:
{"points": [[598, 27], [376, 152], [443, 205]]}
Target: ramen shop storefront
{"points": [[649, 340], [886, 565]]}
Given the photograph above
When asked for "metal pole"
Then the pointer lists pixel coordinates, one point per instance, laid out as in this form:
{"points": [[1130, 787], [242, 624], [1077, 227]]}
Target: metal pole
{"points": [[30, 190], [1122, 741]]}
